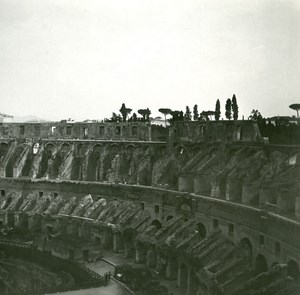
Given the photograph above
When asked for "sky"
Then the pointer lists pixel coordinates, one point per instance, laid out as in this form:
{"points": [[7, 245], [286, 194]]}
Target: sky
{"points": [[82, 59]]}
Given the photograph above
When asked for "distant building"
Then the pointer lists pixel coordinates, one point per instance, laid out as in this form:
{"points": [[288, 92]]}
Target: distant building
{"points": [[5, 118], [287, 119], [159, 121]]}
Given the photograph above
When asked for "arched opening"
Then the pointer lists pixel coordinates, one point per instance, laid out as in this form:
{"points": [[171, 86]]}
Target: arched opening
{"points": [[47, 155], [156, 223], [201, 230], [64, 149], [293, 269], [246, 247], [169, 218], [185, 208], [94, 163], [183, 276], [260, 264]]}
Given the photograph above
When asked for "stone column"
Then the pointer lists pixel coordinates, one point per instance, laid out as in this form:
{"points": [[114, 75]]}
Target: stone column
{"points": [[139, 255], [117, 242], [178, 284], [188, 287], [297, 207], [150, 258]]}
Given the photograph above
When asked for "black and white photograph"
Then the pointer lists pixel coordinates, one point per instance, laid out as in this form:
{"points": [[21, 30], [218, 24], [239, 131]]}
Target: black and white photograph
{"points": [[150, 147]]}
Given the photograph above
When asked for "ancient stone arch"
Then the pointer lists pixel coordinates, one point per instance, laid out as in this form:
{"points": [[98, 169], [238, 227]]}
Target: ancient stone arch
{"points": [[50, 146], [156, 223], [65, 146], [97, 146], [169, 217], [247, 249], [260, 264], [201, 230], [185, 208]]}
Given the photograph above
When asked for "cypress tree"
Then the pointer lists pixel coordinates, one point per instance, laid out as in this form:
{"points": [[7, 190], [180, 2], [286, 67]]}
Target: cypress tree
{"points": [[228, 109], [235, 108], [187, 115], [195, 112], [217, 110]]}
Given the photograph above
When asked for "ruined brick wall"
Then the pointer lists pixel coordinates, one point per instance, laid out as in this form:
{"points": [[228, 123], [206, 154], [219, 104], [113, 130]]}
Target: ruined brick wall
{"points": [[215, 131], [77, 130]]}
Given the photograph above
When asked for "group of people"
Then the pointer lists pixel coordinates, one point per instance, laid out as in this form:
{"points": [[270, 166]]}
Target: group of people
{"points": [[105, 278]]}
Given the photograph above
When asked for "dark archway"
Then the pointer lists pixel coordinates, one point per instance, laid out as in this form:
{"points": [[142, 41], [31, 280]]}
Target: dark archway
{"points": [[156, 223], [201, 230], [293, 269], [169, 217], [260, 264]]}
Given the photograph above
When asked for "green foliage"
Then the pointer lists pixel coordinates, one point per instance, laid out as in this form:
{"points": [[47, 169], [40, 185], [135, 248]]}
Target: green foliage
{"points": [[124, 111], [295, 107], [255, 115], [145, 113], [235, 108], [165, 112], [217, 110], [188, 114], [228, 114], [195, 113]]}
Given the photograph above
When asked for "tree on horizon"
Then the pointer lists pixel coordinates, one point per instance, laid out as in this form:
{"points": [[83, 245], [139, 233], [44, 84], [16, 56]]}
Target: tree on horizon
{"points": [[188, 114], [295, 107], [255, 115], [235, 108], [124, 111], [145, 113], [228, 109], [195, 113], [217, 110], [165, 112]]}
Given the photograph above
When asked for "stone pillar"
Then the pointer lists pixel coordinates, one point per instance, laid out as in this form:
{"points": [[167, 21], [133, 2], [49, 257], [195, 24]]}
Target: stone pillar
{"points": [[9, 219], [139, 255], [169, 274], [249, 192], [233, 189], [150, 258], [117, 242], [297, 207], [285, 202], [34, 222], [188, 287], [178, 284]]}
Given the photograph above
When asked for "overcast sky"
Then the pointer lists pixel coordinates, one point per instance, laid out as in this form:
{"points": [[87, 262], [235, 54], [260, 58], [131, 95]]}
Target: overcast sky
{"points": [[82, 59]]}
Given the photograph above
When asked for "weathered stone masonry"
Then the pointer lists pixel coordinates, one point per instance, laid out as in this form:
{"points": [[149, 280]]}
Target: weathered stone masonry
{"points": [[212, 206]]}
